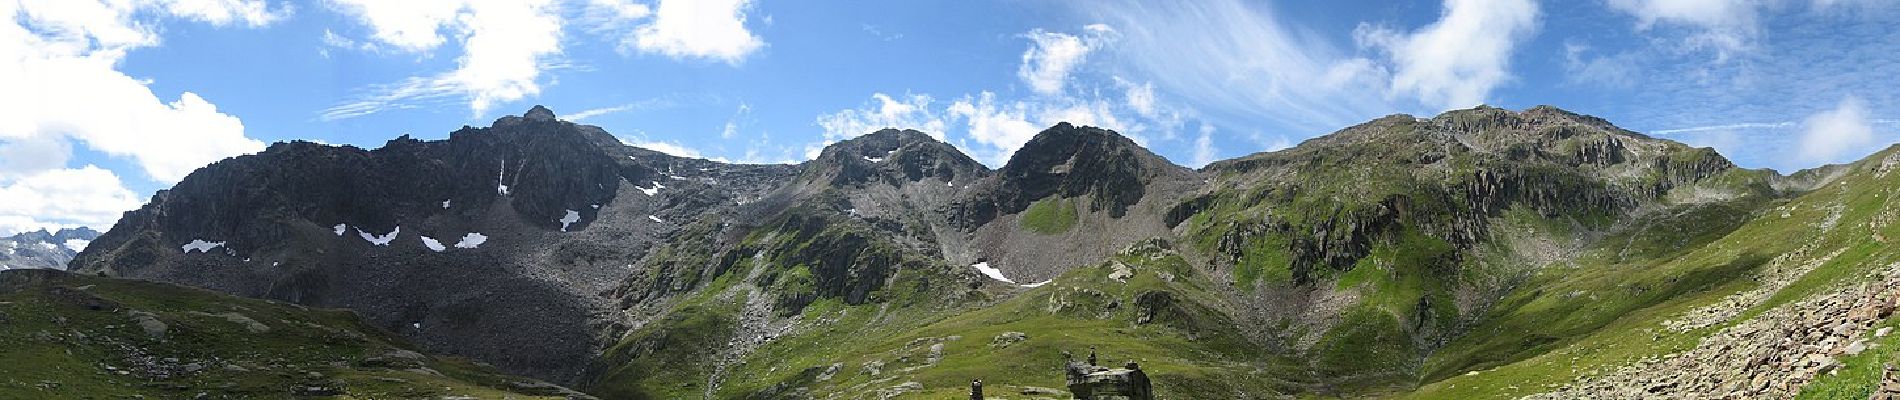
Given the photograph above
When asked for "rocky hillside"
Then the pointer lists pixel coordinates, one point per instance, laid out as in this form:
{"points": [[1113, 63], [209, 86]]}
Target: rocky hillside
{"points": [[68, 336], [43, 249], [1397, 255]]}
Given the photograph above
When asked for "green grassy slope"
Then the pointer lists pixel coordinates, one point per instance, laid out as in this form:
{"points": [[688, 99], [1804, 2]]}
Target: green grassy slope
{"points": [[1147, 306], [73, 336], [1618, 317]]}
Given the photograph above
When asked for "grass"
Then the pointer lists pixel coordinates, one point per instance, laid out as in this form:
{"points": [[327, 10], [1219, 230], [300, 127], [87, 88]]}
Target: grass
{"points": [[70, 336], [1050, 216], [1189, 347]]}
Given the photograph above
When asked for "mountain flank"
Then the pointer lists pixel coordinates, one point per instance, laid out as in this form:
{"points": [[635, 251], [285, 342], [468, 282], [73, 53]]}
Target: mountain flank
{"points": [[1479, 253]]}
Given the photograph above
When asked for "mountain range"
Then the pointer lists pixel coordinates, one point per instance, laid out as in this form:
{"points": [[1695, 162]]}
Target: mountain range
{"points": [[44, 249], [1479, 253]]}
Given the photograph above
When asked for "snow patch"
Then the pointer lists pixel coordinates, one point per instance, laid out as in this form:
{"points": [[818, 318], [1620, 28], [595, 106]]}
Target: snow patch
{"points": [[1039, 284], [993, 273], [654, 190], [569, 219], [382, 240], [432, 244], [655, 219], [201, 246], [340, 228], [471, 240], [445, 203], [502, 189], [874, 159]]}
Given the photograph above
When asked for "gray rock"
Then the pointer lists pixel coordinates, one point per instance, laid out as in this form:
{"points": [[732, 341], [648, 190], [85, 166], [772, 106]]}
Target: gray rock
{"points": [[1005, 339], [149, 323]]}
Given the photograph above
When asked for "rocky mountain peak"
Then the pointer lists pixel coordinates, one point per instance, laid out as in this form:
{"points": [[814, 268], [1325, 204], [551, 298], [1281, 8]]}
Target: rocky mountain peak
{"points": [[539, 113], [1069, 161], [43, 248], [893, 156]]}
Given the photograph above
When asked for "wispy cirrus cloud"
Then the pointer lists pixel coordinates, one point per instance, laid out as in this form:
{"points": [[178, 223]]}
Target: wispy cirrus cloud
{"points": [[1253, 66]]}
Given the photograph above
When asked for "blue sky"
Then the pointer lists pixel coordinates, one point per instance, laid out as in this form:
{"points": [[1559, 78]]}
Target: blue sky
{"points": [[109, 101]]}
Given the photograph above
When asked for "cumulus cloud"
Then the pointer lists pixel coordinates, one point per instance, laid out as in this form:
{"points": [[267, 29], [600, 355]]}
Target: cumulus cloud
{"points": [[60, 198], [990, 126], [1456, 61], [1838, 135], [910, 111], [695, 29], [59, 62], [1004, 126], [998, 126], [1052, 56], [505, 46]]}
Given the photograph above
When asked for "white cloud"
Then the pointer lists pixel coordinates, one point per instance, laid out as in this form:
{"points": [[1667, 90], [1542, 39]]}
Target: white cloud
{"points": [[1724, 127], [910, 111], [1052, 56], [1726, 25], [1140, 97], [1614, 71], [595, 112], [1237, 62], [505, 46], [642, 105], [1204, 151], [609, 12], [87, 196], [732, 124], [671, 148], [999, 126], [1004, 127], [708, 29], [60, 67], [1838, 135], [224, 12], [413, 26], [1456, 61], [59, 64]]}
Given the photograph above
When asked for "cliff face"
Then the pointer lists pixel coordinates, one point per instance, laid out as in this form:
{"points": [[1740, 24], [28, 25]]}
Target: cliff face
{"points": [[492, 244], [535, 242]]}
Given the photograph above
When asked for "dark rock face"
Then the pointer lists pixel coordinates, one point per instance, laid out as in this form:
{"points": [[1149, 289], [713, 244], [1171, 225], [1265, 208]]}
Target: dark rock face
{"points": [[891, 157], [42, 249], [1069, 161], [390, 233]]}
